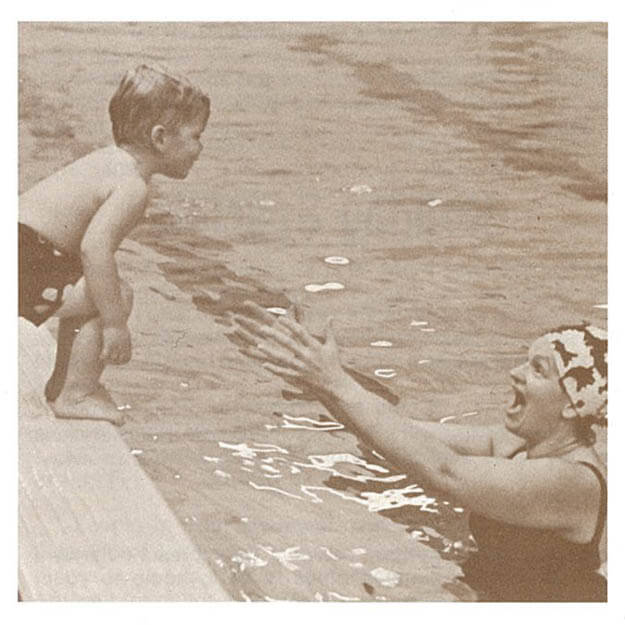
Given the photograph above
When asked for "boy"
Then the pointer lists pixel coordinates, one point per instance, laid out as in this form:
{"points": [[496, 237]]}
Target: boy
{"points": [[71, 224]]}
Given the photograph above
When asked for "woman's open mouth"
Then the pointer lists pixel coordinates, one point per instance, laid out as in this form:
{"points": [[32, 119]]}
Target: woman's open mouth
{"points": [[517, 403]]}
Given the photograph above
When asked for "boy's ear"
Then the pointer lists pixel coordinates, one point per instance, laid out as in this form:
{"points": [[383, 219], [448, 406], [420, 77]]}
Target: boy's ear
{"points": [[568, 412], [157, 135]]}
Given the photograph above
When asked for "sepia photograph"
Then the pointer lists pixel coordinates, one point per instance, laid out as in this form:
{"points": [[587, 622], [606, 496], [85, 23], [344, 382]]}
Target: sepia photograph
{"points": [[312, 311]]}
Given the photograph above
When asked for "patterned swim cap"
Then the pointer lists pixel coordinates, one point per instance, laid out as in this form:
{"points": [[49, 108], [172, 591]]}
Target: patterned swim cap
{"points": [[581, 355]]}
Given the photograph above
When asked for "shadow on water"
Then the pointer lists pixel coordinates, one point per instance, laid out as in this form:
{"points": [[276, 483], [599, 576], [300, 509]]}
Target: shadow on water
{"points": [[383, 82], [217, 291]]}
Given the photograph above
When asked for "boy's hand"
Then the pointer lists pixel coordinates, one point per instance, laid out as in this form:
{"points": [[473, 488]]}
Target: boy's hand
{"points": [[116, 345]]}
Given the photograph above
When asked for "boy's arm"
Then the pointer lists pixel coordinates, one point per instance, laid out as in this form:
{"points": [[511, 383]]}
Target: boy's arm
{"points": [[115, 218]]}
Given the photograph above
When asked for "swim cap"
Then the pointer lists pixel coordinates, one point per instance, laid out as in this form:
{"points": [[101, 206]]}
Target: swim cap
{"points": [[581, 355]]}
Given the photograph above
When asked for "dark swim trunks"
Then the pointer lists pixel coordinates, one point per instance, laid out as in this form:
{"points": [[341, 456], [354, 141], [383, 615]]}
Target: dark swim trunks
{"points": [[44, 272]]}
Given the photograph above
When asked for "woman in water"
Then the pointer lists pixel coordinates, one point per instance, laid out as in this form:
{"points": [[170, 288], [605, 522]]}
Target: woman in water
{"points": [[534, 484]]}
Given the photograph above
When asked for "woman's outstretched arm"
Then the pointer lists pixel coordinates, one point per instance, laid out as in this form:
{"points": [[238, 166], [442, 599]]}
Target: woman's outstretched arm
{"points": [[547, 493], [338, 383]]}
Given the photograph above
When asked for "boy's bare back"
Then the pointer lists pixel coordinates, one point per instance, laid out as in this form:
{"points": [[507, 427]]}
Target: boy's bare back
{"points": [[72, 223], [62, 207]]}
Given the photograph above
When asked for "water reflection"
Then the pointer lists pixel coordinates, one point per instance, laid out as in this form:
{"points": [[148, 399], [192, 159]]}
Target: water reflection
{"points": [[535, 60], [510, 116], [436, 522]]}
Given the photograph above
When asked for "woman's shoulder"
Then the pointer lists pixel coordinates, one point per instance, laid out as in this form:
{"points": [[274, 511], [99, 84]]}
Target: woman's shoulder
{"points": [[589, 460]]}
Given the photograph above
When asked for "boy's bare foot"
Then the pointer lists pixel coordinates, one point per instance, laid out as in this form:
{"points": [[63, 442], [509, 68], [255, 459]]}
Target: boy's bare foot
{"points": [[97, 406]]}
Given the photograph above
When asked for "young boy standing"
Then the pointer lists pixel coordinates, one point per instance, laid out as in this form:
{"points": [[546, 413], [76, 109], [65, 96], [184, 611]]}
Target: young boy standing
{"points": [[72, 223]]}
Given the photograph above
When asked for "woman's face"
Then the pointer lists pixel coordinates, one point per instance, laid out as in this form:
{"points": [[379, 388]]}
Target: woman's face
{"points": [[539, 400]]}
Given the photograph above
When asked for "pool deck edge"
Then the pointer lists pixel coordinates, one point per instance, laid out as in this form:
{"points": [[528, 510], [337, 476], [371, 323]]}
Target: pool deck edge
{"points": [[92, 525]]}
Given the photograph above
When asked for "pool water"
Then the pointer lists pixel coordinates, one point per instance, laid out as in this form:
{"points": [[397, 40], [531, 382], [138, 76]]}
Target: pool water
{"points": [[440, 189]]}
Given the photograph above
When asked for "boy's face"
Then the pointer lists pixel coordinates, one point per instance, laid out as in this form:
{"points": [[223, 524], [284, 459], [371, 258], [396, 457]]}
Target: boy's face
{"points": [[180, 148]]}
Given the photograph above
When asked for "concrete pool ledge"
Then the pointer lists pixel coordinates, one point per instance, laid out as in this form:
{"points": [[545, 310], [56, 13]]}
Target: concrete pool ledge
{"points": [[92, 525]]}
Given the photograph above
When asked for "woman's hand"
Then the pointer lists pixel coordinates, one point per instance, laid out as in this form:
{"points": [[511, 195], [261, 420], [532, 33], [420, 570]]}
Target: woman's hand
{"points": [[287, 349]]}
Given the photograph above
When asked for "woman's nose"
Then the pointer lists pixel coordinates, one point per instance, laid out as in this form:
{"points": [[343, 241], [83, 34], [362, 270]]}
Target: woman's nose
{"points": [[517, 374]]}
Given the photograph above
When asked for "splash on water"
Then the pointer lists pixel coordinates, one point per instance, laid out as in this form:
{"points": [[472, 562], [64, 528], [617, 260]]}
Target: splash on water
{"points": [[451, 417], [420, 535], [336, 260], [385, 373], [279, 460], [328, 552], [329, 460], [276, 490], [306, 423], [287, 557], [327, 463], [243, 450], [328, 286], [335, 596], [358, 189], [385, 577], [377, 502], [310, 491], [248, 560], [397, 498]]}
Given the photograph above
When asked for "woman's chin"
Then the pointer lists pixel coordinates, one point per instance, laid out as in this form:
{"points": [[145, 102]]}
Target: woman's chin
{"points": [[513, 419]]}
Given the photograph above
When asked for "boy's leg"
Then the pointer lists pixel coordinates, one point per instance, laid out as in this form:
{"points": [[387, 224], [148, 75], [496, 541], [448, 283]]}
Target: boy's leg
{"points": [[68, 327], [74, 389], [81, 396]]}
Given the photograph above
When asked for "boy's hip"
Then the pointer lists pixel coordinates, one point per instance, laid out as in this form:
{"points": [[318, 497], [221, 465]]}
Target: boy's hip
{"points": [[44, 271]]}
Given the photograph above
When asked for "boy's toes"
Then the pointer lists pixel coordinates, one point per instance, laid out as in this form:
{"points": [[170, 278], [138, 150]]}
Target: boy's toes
{"points": [[95, 407]]}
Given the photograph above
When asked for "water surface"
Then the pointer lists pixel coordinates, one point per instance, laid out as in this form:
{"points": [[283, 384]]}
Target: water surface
{"points": [[460, 168]]}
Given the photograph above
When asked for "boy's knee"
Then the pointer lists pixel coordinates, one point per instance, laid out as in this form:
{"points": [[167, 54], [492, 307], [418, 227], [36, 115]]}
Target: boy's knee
{"points": [[127, 296]]}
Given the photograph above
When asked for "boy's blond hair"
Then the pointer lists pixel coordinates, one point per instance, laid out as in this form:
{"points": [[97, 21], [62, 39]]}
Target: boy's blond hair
{"points": [[148, 96]]}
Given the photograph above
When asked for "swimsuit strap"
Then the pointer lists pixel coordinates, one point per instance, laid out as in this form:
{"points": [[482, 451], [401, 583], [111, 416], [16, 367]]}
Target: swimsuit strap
{"points": [[603, 504]]}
